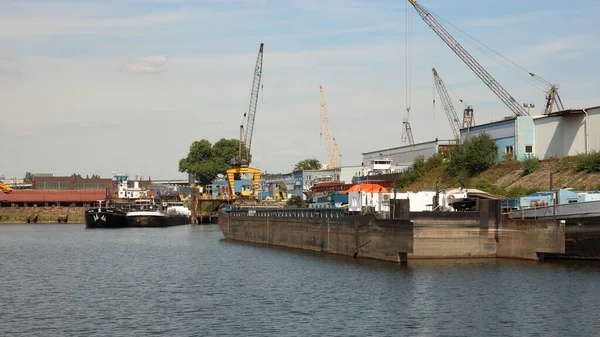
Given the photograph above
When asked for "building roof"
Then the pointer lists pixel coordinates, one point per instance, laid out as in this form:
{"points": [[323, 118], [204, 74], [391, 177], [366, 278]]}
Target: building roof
{"points": [[54, 196], [447, 141]]}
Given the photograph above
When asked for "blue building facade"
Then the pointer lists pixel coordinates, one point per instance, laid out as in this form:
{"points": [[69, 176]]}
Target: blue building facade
{"points": [[514, 137]]}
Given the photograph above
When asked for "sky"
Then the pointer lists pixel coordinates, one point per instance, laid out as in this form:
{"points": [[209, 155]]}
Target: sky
{"points": [[96, 87]]}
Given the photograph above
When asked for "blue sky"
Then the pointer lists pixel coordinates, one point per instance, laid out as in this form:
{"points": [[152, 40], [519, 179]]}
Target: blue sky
{"points": [[100, 86]]}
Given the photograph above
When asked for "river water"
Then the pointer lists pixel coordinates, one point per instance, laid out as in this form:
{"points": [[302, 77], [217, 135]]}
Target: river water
{"points": [[65, 280]]}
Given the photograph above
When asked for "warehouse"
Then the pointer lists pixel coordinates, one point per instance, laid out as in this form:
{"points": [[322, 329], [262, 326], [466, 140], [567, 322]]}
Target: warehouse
{"points": [[561, 133]]}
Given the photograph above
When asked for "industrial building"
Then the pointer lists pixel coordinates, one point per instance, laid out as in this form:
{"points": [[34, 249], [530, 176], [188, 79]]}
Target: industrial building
{"points": [[404, 156], [561, 133]]}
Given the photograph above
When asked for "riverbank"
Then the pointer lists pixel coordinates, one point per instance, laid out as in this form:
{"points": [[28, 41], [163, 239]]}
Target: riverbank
{"points": [[49, 215]]}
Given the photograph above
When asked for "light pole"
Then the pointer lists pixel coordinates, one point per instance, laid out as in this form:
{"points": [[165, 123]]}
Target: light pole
{"points": [[340, 160], [528, 106]]}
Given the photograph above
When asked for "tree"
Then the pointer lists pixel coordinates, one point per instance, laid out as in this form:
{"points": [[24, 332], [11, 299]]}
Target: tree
{"points": [[296, 200], [76, 175], [205, 160], [308, 164], [28, 179], [473, 156]]}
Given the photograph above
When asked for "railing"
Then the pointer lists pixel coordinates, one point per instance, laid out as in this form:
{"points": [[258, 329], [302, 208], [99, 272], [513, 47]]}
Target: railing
{"points": [[578, 209], [290, 212]]}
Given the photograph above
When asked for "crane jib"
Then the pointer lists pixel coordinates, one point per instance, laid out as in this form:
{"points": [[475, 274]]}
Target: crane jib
{"points": [[462, 53]]}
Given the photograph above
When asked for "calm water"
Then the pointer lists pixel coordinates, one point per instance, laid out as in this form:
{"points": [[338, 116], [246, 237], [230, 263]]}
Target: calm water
{"points": [[64, 280]]}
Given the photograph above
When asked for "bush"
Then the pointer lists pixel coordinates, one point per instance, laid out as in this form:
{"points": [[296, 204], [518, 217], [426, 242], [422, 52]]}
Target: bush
{"points": [[418, 169], [296, 200], [564, 164], [508, 157], [473, 156], [530, 165], [589, 162]]}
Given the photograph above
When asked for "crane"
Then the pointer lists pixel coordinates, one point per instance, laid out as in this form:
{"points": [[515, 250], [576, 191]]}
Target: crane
{"points": [[447, 103], [250, 116], [241, 167], [464, 55], [330, 145], [5, 188], [407, 135]]}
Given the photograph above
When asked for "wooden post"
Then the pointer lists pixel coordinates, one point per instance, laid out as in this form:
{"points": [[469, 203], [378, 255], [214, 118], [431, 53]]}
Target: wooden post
{"points": [[193, 219]]}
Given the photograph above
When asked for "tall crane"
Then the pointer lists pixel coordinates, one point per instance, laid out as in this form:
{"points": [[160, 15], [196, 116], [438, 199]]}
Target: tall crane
{"points": [[246, 141], [477, 68], [447, 103], [330, 145], [245, 145]]}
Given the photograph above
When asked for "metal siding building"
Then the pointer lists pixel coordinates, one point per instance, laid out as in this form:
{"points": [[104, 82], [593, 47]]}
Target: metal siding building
{"points": [[562, 133], [406, 155]]}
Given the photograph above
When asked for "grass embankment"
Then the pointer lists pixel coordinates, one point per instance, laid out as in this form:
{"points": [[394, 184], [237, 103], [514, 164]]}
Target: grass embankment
{"points": [[44, 214], [509, 178]]}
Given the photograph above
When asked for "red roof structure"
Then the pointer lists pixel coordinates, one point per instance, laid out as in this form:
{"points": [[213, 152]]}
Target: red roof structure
{"points": [[54, 196]]}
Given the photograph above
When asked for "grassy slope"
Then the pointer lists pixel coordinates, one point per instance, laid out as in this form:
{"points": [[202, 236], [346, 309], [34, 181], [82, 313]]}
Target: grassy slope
{"points": [[509, 175]]}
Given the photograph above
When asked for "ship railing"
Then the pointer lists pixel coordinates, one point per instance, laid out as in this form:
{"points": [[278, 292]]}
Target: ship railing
{"points": [[291, 212]]}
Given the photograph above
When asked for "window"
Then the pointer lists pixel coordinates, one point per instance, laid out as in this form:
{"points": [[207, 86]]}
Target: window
{"points": [[528, 148], [508, 149]]}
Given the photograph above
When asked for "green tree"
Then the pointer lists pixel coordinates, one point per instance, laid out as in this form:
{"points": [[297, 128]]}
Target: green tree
{"points": [[28, 179], [95, 176], [472, 156], [308, 164], [296, 200], [206, 160], [76, 175]]}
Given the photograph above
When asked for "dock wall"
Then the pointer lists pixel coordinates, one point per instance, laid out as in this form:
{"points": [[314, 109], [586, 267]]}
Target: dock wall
{"points": [[484, 233], [57, 214], [362, 236]]}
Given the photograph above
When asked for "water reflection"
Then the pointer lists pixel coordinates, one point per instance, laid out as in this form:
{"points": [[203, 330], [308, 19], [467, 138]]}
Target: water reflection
{"points": [[63, 280]]}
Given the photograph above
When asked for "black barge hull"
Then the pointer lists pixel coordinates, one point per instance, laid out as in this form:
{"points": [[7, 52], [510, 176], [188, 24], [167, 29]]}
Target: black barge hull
{"points": [[105, 218]]}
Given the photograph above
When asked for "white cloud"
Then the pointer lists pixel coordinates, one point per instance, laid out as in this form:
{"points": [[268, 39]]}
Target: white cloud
{"points": [[36, 26], [147, 64]]}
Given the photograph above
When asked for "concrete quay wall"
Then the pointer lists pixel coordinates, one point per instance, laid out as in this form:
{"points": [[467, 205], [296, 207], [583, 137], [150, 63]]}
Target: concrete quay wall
{"points": [[362, 236], [485, 233]]}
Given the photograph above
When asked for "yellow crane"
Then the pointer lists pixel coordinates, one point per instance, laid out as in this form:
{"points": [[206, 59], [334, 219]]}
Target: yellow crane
{"points": [[330, 144], [5, 188], [241, 168]]}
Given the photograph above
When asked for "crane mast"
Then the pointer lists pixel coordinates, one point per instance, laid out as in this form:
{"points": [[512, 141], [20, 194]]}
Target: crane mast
{"points": [[477, 68], [246, 138], [330, 147], [447, 103]]}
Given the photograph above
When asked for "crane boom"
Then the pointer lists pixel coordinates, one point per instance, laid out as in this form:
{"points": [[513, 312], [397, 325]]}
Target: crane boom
{"points": [[464, 55], [447, 103], [329, 146], [253, 102]]}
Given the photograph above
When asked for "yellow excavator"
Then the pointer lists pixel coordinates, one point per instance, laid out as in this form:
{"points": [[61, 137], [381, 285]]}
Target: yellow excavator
{"points": [[241, 169], [5, 188]]}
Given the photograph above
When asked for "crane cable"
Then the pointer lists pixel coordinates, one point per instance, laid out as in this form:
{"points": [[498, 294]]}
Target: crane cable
{"points": [[505, 62], [408, 44]]}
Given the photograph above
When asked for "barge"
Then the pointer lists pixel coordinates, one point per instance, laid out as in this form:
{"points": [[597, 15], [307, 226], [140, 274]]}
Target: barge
{"points": [[399, 235]]}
